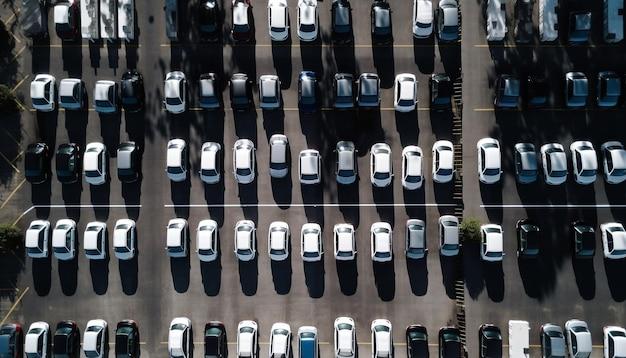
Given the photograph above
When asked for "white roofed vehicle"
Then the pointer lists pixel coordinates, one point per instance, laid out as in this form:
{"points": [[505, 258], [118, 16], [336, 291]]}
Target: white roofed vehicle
{"points": [[279, 156], [449, 235], [405, 91], [310, 166], [72, 94], [179, 338], [422, 19], [43, 93], [613, 240], [443, 161], [548, 20], [105, 96], [176, 160], [578, 338], [244, 161], [412, 163], [126, 20], [177, 237], [489, 161], [96, 339], [247, 339], [614, 162], [415, 237], [344, 242], [279, 238], [124, 237], [207, 240], [382, 338], [345, 337], [210, 160], [519, 340], [270, 97], [108, 19], [614, 341], [311, 242], [245, 240], [346, 166], [278, 19], [175, 92], [584, 162], [381, 165], [64, 239], [94, 240], [308, 26], [89, 19], [492, 245], [95, 164], [554, 163], [37, 340], [381, 242], [280, 340], [448, 21], [37, 239]]}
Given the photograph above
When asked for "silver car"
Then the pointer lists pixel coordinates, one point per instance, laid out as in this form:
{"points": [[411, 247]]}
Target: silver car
{"points": [[412, 173], [310, 166], [245, 240], [210, 159], [381, 165], [449, 235], [279, 156], [415, 237], [311, 243], [346, 170], [43, 93], [244, 161], [269, 92], [206, 240], [177, 233]]}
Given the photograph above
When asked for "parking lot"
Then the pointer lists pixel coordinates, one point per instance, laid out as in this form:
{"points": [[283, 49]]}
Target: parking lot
{"points": [[152, 289]]}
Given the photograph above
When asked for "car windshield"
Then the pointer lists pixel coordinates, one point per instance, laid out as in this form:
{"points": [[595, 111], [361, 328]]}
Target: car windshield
{"points": [[103, 103], [173, 101], [405, 102], [241, 28], [491, 171], [345, 173], [208, 100], [244, 251], [344, 253], [422, 25], [68, 99], [587, 173], [413, 178], [40, 101], [493, 254], [309, 176], [209, 172], [379, 175], [205, 251], [243, 171], [618, 172], [450, 30], [444, 171], [307, 27], [174, 170], [450, 246], [558, 173]]}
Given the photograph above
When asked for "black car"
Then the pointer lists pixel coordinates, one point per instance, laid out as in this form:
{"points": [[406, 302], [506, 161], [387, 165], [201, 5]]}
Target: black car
{"points": [[381, 28], [450, 343], [11, 340], [215, 340], [127, 162], [536, 92], [36, 163], [584, 240], [416, 341], [240, 92], [209, 24], [523, 21], [440, 92], [507, 92], [343, 88], [132, 91], [66, 340], [341, 18], [307, 92], [126, 339], [209, 91], [66, 19], [67, 163], [528, 238], [489, 341]]}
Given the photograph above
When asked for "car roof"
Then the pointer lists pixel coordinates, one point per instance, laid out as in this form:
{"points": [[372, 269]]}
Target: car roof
{"points": [[344, 340], [207, 87], [309, 162], [278, 239], [242, 158], [558, 160], [382, 16], [310, 242], [344, 242], [244, 238], [307, 14], [619, 158], [174, 157], [346, 159], [492, 157], [92, 236], [382, 242], [342, 14], [205, 239], [269, 86], [407, 90], [450, 16], [124, 159], [240, 13], [368, 84], [414, 163], [209, 157], [529, 160], [416, 237], [174, 236], [424, 13], [446, 158]]}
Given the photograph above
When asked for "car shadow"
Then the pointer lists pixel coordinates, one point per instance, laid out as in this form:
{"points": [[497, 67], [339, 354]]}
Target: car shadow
{"points": [[584, 273], [179, 193], [418, 275], [281, 57], [129, 274], [614, 274], [314, 278], [179, 267], [68, 274], [281, 190], [407, 126], [212, 276], [385, 279], [99, 270], [450, 272], [494, 280], [384, 200], [100, 199], [249, 276], [281, 275], [42, 275], [424, 54], [348, 274], [348, 198], [384, 64]]}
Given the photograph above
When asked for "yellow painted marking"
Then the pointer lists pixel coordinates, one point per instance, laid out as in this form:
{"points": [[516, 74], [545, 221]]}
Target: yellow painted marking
{"points": [[12, 193], [19, 299], [10, 163], [18, 53], [19, 83]]}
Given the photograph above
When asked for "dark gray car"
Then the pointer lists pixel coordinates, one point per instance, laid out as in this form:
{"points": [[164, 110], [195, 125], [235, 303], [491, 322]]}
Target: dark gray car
{"points": [[525, 163], [346, 165], [344, 91], [369, 91]]}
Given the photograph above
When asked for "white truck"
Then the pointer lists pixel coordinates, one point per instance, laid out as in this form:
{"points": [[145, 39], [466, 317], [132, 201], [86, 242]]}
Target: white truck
{"points": [[519, 340], [126, 20], [496, 20], [108, 19], [89, 16]]}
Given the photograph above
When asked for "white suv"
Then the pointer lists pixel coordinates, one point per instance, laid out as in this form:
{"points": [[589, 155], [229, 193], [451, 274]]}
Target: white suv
{"points": [[381, 242], [310, 166], [489, 162], [344, 242], [449, 235], [175, 92], [206, 240], [95, 338], [584, 162], [244, 161], [247, 339], [412, 173], [554, 163], [422, 19], [64, 239], [278, 237], [105, 96], [37, 340], [245, 240], [95, 163], [210, 163], [345, 337], [280, 340], [405, 92], [43, 92], [278, 19], [381, 165], [179, 338], [36, 241]]}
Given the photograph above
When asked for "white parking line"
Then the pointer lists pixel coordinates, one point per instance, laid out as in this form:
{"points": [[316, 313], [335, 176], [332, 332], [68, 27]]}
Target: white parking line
{"points": [[553, 206], [323, 205], [74, 206]]}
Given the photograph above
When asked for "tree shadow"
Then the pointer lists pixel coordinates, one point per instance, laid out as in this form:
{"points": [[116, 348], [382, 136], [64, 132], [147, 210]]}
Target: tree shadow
{"points": [[314, 278], [418, 276], [348, 274], [249, 276], [179, 267], [385, 279]]}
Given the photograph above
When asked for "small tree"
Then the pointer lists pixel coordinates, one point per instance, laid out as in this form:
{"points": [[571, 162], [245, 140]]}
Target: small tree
{"points": [[7, 100], [10, 238], [470, 229]]}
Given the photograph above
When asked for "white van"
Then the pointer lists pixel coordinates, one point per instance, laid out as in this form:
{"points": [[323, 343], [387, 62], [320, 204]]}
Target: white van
{"points": [[519, 339], [126, 20], [496, 20], [613, 21], [548, 20], [108, 19], [89, 16]]}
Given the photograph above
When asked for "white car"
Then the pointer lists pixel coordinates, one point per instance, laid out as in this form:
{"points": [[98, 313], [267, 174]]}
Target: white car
{"points": [[449, 235], [307, 20], [614, 162], [270, 97], [492, 245], [554, 163], [210, 162], [36, 241], [176, 165], [310, 167], [95, 338], [175, 92], [614, 341], [381, 165], [415, 237], [95, 240], [64, 239], [422, 19], [405, 92], [278, 19], [247, 339], [279, 156], [382, 338], [412, 173], [280, 340], [105, 96], [381, 242], [345, 337], [584, 162], [177, 237], [72, 94], [206, 240], [179, 338], [578, 338], [245, 240], [346, 166], [278, 241], [311, 242], [344, 242], [43, 92], [613, 240], [124, 236], [95, 162], [443, 161], [489, 162], [37, 340], [244, 161]]}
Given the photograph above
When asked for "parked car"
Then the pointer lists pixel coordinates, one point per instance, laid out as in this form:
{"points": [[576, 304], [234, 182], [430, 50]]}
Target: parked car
{"points": [[443, 161], [489, 162], [344, 241], [579, 27], [441, 91], [210, 162], [405, 91], [448, 21], [341, 22], [209, 91], [415, 237], [215, 344], [66, 19], [95, 164], [492, 245], [526, 170], [179, 339], [576, 90], [280, 340], [36, 239], [449, 235], [584, 240], [43, 93], [279, 156], [381, 242], [13, 337], [308, 26], [308, 346], [207, 240], [613, 240], [537, 92], [381, 165], [240, 92], [578, 338], [507, 92], [584, 162], [132, 91], [552, 341], [247, 339], [177, 238], [106, 96], [209, 20], [177, 160], [124, 239], [37, 340], [614, 341], [245, 240], [489, 341], [72, 94], [68, 163], [244, 161], [528, 239], [242, 29], [127, 339], [307, 90], [416, 341], [382, 339], [343, 87], [278, 20], [524, 29], [95, 240], [368, 95], [278, 241], [310, 167], [614, 162], [175, 90], [311, 242], [450, 343], [609, 89], [345, 337], [381, 24], [96, 339], [412, 173], [269, 92], [346, 170], [34, 18], [422, 19], [554, 163], [64, 240], [128, 167], [37, 163]]}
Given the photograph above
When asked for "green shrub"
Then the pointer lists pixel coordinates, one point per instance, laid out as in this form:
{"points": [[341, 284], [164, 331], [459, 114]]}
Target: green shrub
{"points": [[7, 100], [10, 238], [470, 229]]}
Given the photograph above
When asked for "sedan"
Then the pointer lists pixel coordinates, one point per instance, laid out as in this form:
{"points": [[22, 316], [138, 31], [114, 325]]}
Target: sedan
{"points": [[177, 238], [554, 163], [95, 164], [308, 27], [124, 237], [528, 239], [279, 156], [415, 237], [311, 243], [346, 171], [215, 344], [43, 93], [206, 240], [441, 92], [209, 20], [609, 89], [307, 91], [278, 20], [177, 160], [175, 92], [344, 242], [368, 95], [278, 241], [448, 21], [37, 163], [584, 240], [381, 242], [537, 91], [269, 92], [245, 240], [382, 339], [489, 165], [381, 165], [244, 161], [552, 341], [450, 342], [68, 163], [422, 19], [210, 163], [310, 167], [381, 25], [128, 162], [105, 96], [13, 337], [247, 339], [37, 340], [416, 341], [492, 245], [576, 90], [489, 341], [443, 161], [614, 341], [449, 235], [36, 239], [614, 162], [280, 340], [95, 339], [584, 162], [613, 240], [64, 240], [578, 338], [526, 170], [66, 340], [94, 240], [132, 91], [127, 339], [179, 339], [209, 92], [240, 92], [72, 94], [405, 92], [412, 174], [345, 337], [242, 30], [343, 86], [341, 22]]}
